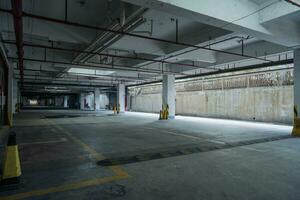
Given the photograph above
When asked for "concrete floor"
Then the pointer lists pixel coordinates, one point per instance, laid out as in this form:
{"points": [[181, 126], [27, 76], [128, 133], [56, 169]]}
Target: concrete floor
{"points": [[60, 151]]}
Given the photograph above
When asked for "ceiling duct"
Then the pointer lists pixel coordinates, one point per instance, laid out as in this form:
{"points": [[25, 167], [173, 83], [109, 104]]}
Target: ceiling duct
{"points": [[129, 18]]}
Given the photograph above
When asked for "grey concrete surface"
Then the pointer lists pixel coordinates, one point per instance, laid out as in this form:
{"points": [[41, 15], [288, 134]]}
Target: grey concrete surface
{"points": [[52, 158]]}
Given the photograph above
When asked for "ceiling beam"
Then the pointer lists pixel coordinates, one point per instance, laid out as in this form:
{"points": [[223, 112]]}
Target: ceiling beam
{"points": [[101, 66], [104, 54], [65, 22], [18, 26]]}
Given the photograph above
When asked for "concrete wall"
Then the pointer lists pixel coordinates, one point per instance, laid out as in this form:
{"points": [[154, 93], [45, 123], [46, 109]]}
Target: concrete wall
{"points": [[269, 104], [261, 96], [147, 103], [104, 100]]}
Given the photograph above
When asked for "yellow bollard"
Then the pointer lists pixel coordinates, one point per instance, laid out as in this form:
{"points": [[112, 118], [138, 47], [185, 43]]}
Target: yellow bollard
{"points": [[118, 109], [296, 127], [11, 169], [115, 110], [167, 112]]}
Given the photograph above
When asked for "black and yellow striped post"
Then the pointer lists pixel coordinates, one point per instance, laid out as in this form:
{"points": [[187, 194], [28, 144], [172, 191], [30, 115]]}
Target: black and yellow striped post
{"points": [[296, 128], [118, 109], [115, 109], [160, 115], [167, 112], [11, 166]]}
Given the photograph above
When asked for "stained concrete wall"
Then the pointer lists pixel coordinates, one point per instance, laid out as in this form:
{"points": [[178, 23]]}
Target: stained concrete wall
{"points": [[104, 101], [147, 103], [259, 96], [268, 104]]}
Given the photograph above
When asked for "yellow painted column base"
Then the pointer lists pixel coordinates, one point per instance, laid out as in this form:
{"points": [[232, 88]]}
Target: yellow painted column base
{"points": [[296, 128], [12, 168]]}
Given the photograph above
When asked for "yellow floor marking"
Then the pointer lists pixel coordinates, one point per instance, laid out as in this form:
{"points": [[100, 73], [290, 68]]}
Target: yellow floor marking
{"points": [[63, 188], [118, 171]]}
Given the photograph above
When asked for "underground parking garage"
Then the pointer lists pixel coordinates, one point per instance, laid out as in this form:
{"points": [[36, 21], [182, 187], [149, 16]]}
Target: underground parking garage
{"points": [[150, 99]]}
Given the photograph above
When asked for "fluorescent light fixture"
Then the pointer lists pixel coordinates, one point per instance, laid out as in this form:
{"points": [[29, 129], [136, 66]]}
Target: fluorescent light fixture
{"points": [[33, 102], [90, 72]]}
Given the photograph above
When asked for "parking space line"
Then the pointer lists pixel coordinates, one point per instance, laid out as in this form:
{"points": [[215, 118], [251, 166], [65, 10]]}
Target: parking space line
{"points": [[117, 170], [63, 188], [174, 133], [44, 142]]}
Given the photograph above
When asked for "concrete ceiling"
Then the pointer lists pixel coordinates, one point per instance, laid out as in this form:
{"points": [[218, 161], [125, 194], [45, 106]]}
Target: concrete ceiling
{"points": [[253, 23]]}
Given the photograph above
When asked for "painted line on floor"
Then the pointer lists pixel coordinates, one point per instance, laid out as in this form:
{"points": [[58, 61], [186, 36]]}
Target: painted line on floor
{"points": [[173, 133], [215, 141], [116, 169], [251, 149], [63, 188], [187, 136], [44, 142]]}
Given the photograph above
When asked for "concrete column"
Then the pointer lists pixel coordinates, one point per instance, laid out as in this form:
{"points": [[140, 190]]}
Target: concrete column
{"points": [[169, 94], [121, 97], [97, 98], [10, 95], [15, 95], [296, 129], [66, 98], [82, 96]]}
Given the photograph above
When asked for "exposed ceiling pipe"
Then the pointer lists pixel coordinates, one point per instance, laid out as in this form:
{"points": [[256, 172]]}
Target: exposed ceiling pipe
{"points": [[18, 26], [108, 55], [293, 2], [64, 84], [106, 39], [53, 73], [39, 77], [192, 50], [101, 66], [75, 24]]}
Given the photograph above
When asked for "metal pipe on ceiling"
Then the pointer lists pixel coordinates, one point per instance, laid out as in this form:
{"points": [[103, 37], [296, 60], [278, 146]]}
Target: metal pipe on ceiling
{"points": [[63, 84], [107, 39], [108, 55], [52, 78], [293, 2], [18, 26], [191, 50], [115, 67], [75, 24], [78, 74]]}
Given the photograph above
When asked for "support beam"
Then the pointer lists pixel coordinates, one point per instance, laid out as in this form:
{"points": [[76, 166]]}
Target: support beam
{"points": [[296, 129], [66, 99], [10, 95], [161, 40], [238, 16], [97, 98], [169, 94], [18, 25], [82, 97], [121, 97]]}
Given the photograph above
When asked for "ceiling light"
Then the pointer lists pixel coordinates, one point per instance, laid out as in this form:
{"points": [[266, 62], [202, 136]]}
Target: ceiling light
{"points": [[92, 72]]}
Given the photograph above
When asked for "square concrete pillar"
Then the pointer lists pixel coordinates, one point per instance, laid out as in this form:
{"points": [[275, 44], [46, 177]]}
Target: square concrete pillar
{"points": [[296, 129], [97, 98], [169, 94], [10, 108], [82, 96], [66, 99], [121, 97], [15, 95]]}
